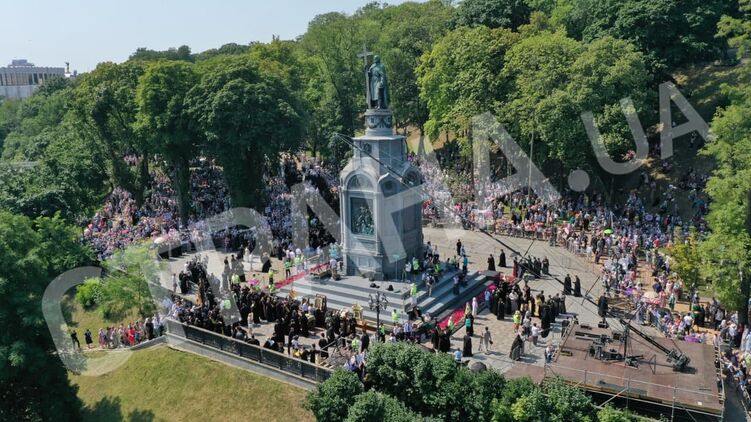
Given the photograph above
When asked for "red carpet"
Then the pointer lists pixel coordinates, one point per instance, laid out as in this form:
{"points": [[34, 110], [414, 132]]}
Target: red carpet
{"points": [[292, 279]]}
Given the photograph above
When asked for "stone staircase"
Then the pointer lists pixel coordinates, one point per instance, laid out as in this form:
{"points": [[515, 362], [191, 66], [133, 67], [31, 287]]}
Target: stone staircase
{"points": [[348, 291]]}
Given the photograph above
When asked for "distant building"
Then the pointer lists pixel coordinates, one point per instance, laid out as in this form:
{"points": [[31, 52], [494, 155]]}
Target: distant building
{"points": [[21, 78]]}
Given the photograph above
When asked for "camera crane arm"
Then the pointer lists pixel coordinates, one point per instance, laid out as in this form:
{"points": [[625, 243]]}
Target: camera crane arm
{"points": [[679, 360]]}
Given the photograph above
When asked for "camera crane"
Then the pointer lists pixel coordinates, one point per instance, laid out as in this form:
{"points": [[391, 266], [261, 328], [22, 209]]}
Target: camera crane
{"points": [[678, 359]]}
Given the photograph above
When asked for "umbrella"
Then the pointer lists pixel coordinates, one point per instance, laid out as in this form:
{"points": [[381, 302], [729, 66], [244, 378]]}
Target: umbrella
{"points": [[608, 231], [478, 367], [651, 295]]}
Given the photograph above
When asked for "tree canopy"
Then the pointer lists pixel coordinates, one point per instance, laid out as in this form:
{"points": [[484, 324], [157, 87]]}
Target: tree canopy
{"points": [[727, 249], [33, 384], [493, 13]]}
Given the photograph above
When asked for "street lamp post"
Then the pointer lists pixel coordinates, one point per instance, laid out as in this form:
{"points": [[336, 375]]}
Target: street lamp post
{"points": [[380, 301]]}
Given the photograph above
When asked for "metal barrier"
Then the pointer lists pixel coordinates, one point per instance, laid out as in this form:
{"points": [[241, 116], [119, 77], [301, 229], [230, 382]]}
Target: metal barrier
{"points": [[267, 357]]}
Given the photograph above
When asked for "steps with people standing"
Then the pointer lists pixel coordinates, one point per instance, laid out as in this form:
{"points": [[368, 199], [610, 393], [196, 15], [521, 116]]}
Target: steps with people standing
{"points": [[344, 293]]}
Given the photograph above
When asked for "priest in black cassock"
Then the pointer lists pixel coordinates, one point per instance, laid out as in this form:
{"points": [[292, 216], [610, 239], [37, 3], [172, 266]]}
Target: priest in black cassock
{"points": [[491, 263], [467, 352], [567, 285], [545, 319], [518, 343], [502, 259]]}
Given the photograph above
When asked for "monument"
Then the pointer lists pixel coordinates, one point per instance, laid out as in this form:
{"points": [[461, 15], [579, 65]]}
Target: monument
{"points": [[381, 200]]}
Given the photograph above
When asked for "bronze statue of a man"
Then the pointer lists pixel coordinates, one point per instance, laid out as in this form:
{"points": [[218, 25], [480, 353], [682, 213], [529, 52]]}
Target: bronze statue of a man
{"points": [[377, 85]]}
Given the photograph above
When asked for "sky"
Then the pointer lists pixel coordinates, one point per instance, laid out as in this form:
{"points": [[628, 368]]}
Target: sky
{"points": [[84, 33]]}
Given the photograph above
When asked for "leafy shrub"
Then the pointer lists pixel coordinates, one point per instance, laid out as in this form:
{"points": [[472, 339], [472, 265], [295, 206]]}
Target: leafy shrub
{"points": [[331, 399], [89, 293]]}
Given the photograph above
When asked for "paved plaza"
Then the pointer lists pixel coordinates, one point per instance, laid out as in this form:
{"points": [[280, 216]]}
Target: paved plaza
{"points": [[478, 246]]}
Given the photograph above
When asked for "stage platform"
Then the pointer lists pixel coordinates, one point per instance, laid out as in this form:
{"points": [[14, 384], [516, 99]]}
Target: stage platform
{"points": [[351, 290], [652, 388]]}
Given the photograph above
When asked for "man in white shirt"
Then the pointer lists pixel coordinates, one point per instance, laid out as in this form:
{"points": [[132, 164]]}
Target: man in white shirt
{"points": [[688, 322], [485, 341], [535, 333]]}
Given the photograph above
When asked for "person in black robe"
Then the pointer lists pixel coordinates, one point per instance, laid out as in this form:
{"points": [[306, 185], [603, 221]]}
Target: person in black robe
{"points": [[545, 319], [323, 345], [553, 307], [602, 307], [266, 266], [526, 292], [498, 301], [364, 341], [491, 263], [304, 326], [183, 283], [500, 310], [279, 332], [467, 352], [444, 342], [502, 259], [567, 285], [256, 313], [577, 287], [435, 340], [563, 304], [518, 343]]}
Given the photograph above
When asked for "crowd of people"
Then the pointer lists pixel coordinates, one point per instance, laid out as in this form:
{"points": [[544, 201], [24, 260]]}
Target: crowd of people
{"points": [[122, 336], [122, 222], [625, 240]]}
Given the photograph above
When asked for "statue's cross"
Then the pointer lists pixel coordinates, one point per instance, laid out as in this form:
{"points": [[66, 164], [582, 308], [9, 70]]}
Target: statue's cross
{"points": [[364, 55]]}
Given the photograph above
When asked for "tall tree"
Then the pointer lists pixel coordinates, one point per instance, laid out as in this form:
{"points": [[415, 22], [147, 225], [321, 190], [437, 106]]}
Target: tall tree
{"points": [[493, 13], [33, 382], [461, 77], [554, 79], [670, 33], [728, 246], [144, 54], [105, 112], [249, 117], [686, 258], [738, 28], [162, 118], [333, 41]]}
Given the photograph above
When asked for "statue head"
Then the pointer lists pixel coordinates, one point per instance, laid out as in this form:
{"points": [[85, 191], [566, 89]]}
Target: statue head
{"points": [[376, 59]]}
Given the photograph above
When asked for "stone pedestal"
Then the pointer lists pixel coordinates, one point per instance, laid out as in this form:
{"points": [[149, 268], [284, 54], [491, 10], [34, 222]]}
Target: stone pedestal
{"points": [[381, 202]]}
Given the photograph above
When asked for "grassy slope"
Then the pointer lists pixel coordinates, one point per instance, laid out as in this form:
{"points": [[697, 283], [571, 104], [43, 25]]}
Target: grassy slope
{"points": [[80, 319], [163, 384]]}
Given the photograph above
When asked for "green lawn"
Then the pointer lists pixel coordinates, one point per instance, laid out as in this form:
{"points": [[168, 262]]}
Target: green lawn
{"points": [[163, 384], [79, 318]]}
